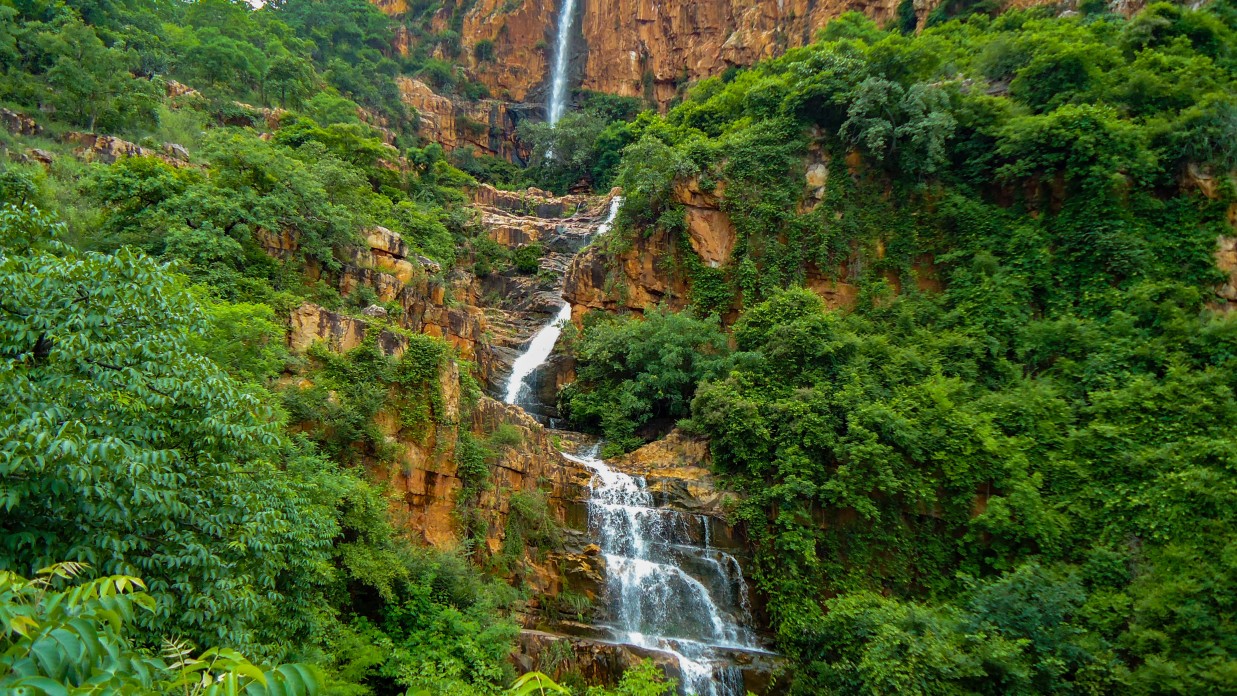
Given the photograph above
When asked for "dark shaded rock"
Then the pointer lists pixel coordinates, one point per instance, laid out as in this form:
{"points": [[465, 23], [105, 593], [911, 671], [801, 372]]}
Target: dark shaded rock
{"points": [[19, 124]]}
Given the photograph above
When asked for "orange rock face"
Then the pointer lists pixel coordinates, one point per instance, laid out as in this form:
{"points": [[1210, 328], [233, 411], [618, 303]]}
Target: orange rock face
{"points": [[522, 33], [487, 126], [641, 48], [650, 48], [425, 473]]}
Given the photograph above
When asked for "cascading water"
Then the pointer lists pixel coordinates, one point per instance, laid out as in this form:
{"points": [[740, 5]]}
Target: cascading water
{"points": [[667, 589], [542, 345], [558, 74], [538, 350]]}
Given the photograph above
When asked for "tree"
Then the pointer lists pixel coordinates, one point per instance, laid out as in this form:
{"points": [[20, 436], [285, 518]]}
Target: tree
{"points": [[633, 372], [122, 447], [292, 78], [91, 81], [62, 638], [906, 128], [218, 60]]}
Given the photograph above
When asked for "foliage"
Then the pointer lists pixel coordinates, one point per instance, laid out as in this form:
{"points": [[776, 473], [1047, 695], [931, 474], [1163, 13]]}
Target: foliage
{"points": [[644, 679], [953, 456], [108, 410], [348, 391], [72, 639], [633, 373]]}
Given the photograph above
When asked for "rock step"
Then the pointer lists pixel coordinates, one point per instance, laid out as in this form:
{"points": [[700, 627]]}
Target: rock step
{"points": [[602, 662]]}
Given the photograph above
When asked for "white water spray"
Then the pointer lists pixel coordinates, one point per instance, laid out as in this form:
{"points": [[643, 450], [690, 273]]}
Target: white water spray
{"points": [[562, 50], [538, 351]]}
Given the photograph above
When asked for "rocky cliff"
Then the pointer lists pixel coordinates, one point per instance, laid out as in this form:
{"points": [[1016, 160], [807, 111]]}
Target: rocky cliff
{"points": [[651, 270], [641, 48], [486, 126], [423, 471]]}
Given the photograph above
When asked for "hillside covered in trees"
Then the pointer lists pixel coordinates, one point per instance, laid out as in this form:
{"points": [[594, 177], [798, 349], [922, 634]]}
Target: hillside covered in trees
{"points": [[967, 367]]}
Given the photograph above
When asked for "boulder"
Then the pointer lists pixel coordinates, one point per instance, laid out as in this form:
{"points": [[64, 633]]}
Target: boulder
{"points": [[19, 124]]}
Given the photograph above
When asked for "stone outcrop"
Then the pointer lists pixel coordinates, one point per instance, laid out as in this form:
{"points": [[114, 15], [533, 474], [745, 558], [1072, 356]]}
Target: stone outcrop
{"points": [[174, 90], [444, 307], [643, 276], [92, 147], [487, 126], [598, 662], [522, 34], [311, 323], [18, 123], [449, 305], [428, 485], [602, 663]]}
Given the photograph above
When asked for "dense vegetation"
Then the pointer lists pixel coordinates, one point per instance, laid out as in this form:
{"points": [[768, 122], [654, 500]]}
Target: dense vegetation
{"points": [[190, 503], [1008, 465]]}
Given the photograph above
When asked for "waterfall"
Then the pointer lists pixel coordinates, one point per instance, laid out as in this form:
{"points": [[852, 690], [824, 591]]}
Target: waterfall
{"points": [[667, 589], [539, 349], [558, 74]]}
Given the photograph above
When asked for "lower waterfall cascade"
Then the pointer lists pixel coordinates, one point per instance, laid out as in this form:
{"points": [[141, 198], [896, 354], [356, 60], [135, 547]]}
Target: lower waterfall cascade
{"points": [[654, 600], [667, 588]]}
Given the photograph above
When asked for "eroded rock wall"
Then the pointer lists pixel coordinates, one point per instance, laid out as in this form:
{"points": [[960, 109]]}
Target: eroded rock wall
{"points": [[649, 270], [424, 472], [487, 126], [639, 48]]}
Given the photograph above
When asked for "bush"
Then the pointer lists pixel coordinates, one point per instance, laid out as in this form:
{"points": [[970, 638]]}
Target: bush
{"points": [[528, 258], [637, 372], [483, 50]]}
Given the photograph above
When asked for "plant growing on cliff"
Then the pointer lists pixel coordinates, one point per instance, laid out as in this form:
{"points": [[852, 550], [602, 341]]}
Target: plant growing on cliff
{"points": [[483, 50], [634, 374], [527, 258]]}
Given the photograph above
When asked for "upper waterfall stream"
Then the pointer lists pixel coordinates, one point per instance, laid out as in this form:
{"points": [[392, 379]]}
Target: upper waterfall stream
{"points": [[542, 343], [558, 73], [667, 588]]}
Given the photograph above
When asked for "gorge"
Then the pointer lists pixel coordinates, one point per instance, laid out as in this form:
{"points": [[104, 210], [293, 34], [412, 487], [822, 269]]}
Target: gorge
{"points": [[666, 589], [512, 347]]}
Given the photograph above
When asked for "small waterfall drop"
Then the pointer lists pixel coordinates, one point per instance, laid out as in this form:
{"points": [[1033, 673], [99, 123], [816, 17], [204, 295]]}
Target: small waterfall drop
{"points": [[558, 73], [667, 588], [539, 349]]}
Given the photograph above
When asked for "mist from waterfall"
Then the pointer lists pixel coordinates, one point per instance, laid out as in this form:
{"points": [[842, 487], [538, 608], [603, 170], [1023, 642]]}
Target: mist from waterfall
{"points": [[562, 51]]}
